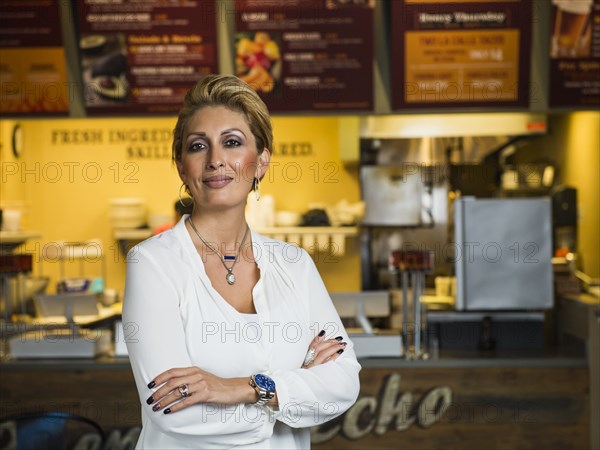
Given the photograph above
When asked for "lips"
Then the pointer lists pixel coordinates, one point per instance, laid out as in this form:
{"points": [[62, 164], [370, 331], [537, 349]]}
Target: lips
{"points": [[217, 181]]}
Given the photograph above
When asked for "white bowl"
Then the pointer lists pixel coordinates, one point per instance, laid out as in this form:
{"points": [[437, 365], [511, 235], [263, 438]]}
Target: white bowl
{"points": [[127, 201], [127, 222], [127, 212], [156, 220], [287, 218]]}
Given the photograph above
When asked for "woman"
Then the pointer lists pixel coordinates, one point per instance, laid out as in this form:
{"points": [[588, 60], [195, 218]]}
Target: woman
{"points": [[223, 316]]}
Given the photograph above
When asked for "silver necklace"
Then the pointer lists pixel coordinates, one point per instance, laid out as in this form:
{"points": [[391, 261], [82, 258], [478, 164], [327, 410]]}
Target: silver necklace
{"points": [[230, 277]]}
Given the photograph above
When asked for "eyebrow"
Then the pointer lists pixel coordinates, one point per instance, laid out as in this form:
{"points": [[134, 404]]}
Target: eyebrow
{"points": [[203, 134]]}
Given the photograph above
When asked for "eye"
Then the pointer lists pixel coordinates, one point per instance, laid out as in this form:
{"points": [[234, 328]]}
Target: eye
{"points": [[232, 143], [196, 146]]}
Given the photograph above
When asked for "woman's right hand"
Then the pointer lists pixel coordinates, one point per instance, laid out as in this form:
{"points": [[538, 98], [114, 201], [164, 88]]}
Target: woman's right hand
{"points": [[322, 350]]}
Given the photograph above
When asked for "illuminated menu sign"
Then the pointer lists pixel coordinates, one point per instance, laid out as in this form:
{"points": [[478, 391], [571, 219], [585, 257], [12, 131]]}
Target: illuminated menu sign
{"points": [[33, 77], [575, 54], [142, 57], [447, 53], [307, 55]]}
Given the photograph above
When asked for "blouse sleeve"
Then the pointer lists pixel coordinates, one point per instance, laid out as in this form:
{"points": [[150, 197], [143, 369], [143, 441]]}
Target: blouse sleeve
{"points": [[157, 343], [309, 397]]}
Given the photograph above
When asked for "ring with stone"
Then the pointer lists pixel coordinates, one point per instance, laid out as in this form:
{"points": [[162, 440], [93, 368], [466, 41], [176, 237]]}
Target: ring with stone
{"points": [[310, 356], [183, 390]]}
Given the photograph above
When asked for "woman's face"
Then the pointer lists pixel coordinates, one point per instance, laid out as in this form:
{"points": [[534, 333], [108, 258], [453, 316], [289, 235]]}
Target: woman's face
{"points": [[219, 159]]}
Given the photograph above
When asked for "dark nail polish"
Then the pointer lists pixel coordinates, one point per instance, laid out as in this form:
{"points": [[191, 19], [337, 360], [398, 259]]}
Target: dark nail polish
{"points": [[150, 400], [340, 351], [322, 333], [156, 407], [167, 411], [338, 338], [343, 343], [151, 384]]}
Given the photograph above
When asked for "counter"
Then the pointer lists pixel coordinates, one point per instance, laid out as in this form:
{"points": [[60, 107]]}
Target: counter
{"points": [[463, 399], [537, 399]]}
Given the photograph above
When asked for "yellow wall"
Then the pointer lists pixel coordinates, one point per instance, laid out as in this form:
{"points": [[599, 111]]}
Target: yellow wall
{"points": [[581, 169], [321, 178], [67, 182], [64, 188], [573, 145], [12, 195]]}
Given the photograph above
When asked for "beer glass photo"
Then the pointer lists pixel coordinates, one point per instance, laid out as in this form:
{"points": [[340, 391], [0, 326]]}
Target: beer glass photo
{"points": [[572, 30]]}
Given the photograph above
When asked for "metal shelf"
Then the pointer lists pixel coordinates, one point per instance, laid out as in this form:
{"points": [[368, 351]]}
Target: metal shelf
{"points": [[133, 234], [346, 231], [10, 240], [125, 237], [313, 239]]}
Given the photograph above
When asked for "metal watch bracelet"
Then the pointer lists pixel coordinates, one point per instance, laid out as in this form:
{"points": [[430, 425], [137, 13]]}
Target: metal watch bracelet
{"points": [[263, 394]]}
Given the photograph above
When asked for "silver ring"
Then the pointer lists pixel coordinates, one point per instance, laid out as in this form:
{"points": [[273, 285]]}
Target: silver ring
{"points": [[183, 390], [310, 357]]}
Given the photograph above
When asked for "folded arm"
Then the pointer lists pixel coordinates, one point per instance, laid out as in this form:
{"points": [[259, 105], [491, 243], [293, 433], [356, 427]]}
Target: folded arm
{"points": [[309, 397], [158, 344]]}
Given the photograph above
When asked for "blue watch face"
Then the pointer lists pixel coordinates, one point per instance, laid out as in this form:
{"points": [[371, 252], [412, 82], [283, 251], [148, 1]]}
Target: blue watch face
{"points": [[264, 382]]}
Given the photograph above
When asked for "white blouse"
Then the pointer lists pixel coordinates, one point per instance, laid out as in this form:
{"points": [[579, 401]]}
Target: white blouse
{"points": [[175, 318]]}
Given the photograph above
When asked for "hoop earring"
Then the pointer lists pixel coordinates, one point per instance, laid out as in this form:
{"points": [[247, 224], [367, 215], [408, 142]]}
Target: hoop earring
{"points": [[181, 199], [256, 188]]}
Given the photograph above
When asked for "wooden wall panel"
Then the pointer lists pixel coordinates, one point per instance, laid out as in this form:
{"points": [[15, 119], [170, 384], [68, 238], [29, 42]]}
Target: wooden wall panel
{"points": [[495, 408]]}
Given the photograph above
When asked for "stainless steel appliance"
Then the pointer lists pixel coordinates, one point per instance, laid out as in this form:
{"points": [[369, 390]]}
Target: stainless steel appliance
{"points": [[392, 195], [413, 265], [413, 166], [503, 253], [564, 211]]}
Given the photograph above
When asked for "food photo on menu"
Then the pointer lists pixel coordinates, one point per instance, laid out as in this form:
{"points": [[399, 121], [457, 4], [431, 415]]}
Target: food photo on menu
{"points": [[104, 68], [572, 28], [258, 60]]}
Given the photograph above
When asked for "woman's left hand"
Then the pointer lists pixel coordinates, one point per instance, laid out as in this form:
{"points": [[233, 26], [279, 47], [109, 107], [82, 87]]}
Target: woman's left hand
{"points": [[322, 350], [202, 387]]}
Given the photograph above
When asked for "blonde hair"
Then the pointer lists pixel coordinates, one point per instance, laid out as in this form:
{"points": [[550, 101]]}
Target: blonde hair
{"points": [[232, 93]]}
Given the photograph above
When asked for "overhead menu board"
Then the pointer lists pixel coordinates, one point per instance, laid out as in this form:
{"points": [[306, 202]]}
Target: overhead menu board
{"points": [[449, 53], [33, 78], [575, 54], [314, 55], [142, 57]]}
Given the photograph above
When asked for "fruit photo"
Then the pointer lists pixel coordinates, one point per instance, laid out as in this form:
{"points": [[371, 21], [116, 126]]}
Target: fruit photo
{"points": [[258, 60]]}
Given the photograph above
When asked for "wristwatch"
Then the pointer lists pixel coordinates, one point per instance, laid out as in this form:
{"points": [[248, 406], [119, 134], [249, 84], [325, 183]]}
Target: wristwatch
{"points": [[264, 386]]}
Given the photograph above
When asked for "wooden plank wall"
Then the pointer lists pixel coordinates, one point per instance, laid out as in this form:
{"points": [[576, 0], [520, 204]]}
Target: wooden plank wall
{"points": [[413, 408], [492, 408]]}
